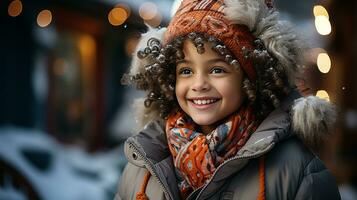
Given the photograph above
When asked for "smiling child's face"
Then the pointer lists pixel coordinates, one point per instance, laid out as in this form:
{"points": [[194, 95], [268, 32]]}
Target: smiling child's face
{"points": [[207, 88]]}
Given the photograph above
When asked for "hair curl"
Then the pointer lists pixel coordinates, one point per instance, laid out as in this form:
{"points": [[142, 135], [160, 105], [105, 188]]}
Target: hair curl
{"points": [[159, 77]]}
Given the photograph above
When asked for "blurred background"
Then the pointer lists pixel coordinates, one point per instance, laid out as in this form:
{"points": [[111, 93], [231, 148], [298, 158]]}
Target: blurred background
{"points": [[64, 114]]}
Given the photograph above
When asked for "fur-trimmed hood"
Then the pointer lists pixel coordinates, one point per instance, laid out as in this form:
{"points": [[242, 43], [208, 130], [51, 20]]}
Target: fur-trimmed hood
{"points": [[143, 115], [311, 117], [278, 35]]}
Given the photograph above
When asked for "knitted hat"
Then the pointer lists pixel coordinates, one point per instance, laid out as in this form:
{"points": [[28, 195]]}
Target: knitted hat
{"points": [[229, 20], [207, 16], [237, 23]]}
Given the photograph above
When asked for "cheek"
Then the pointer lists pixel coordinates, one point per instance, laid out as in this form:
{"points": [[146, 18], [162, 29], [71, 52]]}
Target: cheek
{"points": [[231, 91], [229, 87], [179, 90], [232, 95]]}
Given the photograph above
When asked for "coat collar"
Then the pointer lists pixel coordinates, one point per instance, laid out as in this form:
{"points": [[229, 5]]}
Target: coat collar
{"points": [[151, 143]]}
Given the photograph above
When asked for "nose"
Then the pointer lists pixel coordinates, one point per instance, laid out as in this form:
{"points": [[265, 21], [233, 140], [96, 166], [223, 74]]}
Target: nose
{"points": [[200, 83]]}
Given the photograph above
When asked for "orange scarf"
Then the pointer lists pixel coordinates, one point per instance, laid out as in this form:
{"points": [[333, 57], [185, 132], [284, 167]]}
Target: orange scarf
{"points": [[196, 156]]}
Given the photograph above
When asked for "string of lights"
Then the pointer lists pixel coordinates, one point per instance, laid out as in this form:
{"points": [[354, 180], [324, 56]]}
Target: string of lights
{"points": [[323, 61]]}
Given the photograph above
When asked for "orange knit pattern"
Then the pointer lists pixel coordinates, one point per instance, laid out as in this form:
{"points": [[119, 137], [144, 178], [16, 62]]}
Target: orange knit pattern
{"points": [[196, 155], [206, 16]]}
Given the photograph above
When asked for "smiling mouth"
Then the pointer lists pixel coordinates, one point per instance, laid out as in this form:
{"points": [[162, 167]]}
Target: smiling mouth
{"points": [[203, 101]]}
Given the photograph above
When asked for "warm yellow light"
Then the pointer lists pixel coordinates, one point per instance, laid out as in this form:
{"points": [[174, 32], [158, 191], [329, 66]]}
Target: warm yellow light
{"points": [[156, 21], [320, 11], [323, 25], [44, 18], [88, 50], [323, 95], [125, 7], [323, 62], [117, 16], [15, 8], [148, 10], [87, 45]]}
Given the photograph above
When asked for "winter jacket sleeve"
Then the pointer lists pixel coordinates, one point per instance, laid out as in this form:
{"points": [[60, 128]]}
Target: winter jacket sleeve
{"points": [[128, 184], [117, 197], [122, 191], [318, 183]]}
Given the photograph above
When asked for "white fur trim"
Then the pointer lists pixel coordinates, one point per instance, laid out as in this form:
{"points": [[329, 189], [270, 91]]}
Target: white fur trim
{"points": [[313, 118], [138, 65], [144, 115], [244, 11], [278, 36], [283, 42]]}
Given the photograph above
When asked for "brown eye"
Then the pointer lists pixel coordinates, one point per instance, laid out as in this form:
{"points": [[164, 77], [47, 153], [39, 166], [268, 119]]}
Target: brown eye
{"points": [[217, 70], [185, 71]]}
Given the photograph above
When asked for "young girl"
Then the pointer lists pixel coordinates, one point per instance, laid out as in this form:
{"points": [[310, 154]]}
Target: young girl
{"points": [[222, 117]]}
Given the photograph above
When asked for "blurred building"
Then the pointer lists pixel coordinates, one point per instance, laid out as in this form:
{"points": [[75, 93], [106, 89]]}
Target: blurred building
{"points": [[62, 60], [331, 74], [343, 48]]}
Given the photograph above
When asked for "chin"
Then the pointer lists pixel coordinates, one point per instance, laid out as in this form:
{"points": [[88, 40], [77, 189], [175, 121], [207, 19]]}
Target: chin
{"points": [[204, 121]]}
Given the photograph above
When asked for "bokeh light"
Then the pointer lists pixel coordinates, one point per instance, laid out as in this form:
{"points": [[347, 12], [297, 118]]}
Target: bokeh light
{"points": [[15, 8], [148, 11], [44, 18], [323, 25], [323, 95], [125, 7], [320, 11], [118, 15], [324, 62], [87, 45], [156, 21]]}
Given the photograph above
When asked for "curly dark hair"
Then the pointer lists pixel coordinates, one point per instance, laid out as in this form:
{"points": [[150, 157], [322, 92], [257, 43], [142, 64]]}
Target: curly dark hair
{"points": [[158, 80]]}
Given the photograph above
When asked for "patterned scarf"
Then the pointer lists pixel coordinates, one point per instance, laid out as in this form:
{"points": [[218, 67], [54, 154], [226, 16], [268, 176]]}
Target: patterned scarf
{"points": [[196, 156]]}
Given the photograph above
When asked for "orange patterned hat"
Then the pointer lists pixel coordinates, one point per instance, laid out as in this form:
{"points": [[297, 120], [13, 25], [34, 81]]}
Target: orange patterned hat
{"points": [[207, 16]]}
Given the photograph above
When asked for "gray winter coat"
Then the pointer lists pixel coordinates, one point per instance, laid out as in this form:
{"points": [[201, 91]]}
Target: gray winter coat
{"points": [[292, 171]]}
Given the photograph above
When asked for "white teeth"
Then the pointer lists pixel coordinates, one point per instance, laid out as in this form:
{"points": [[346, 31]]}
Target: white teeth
{"points": [[204, 102]]}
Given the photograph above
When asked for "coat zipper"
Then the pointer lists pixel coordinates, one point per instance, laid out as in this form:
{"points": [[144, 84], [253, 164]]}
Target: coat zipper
{"points": [[202, 188], [151, 169]]}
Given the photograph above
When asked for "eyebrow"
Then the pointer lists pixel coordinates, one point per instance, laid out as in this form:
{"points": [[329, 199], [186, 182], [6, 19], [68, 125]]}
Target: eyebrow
{"points": [[214, 60]]}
